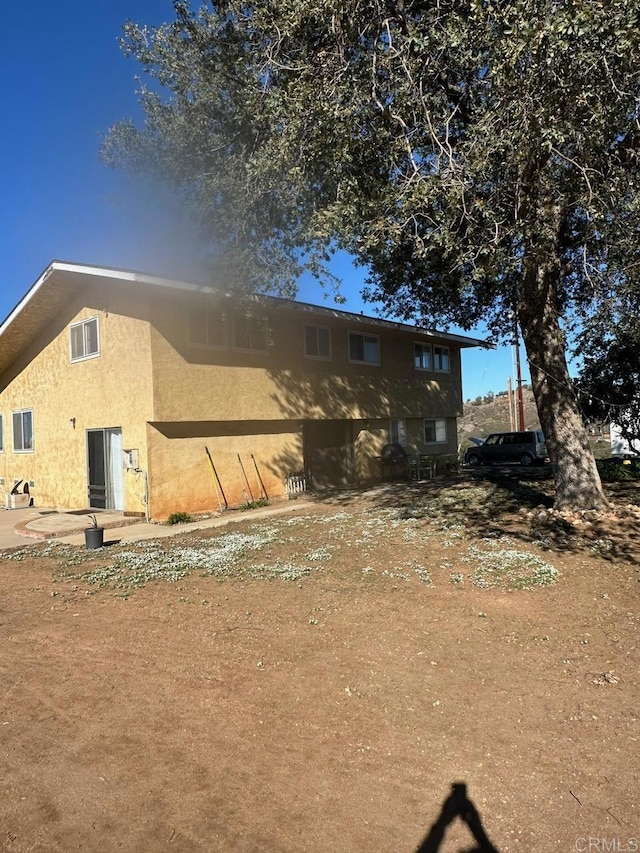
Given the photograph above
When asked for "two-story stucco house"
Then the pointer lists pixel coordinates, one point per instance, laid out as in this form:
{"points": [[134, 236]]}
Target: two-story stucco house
{"points": [[115, 384]]}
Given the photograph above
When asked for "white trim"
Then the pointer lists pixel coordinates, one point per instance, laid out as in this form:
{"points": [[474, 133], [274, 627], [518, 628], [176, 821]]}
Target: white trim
{"points": [[25, 300], [159, 281], [125, 275]]}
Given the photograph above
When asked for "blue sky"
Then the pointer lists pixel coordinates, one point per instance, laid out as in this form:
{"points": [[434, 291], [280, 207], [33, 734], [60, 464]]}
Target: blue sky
{"points": [[65, 83]]}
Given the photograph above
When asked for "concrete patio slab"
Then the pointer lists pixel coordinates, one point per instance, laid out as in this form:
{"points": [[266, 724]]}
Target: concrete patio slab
{"points": [[53, 524], [32, 525]]}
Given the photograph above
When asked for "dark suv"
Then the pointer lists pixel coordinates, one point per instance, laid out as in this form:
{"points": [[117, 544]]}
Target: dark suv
{"points": [[527, 448]]}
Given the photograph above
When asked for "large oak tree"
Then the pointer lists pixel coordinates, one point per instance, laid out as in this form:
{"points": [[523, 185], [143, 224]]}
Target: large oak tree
{"points": [[479, 157]]}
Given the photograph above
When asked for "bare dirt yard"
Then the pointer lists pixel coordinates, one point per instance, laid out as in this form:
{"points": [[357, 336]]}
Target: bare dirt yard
{"points": [[318, 680]]}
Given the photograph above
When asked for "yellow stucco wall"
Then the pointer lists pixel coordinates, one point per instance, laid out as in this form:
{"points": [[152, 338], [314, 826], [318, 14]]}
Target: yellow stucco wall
{"points": [[109, 391], [181, 476], [195, 383], [171, 399]]}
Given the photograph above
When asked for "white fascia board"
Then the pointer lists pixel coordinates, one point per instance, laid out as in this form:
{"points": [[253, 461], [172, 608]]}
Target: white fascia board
{"points": [[172, 284], [101, 272], [127, 275], [25, 300]]}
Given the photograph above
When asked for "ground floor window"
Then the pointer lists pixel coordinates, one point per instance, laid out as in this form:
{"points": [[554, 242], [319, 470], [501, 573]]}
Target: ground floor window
{"points": [[23, 430], [435, 431], [398, 431]]}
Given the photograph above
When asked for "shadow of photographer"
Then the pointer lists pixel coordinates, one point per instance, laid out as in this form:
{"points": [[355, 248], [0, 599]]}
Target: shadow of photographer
{"points": [[458, 805]]}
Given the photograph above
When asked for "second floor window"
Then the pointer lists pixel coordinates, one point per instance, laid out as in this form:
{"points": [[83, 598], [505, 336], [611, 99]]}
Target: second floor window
{"points": [[207, 328], [364, 349], [441, 359], [250, 333], [84, 339], [422, 356], [317, 342]]}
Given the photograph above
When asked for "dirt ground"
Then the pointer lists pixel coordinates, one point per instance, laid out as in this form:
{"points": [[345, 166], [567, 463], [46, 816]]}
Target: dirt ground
{"points": [[318, 681]]}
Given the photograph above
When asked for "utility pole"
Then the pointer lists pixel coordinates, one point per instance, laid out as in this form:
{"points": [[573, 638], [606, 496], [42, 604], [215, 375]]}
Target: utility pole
{"points": [[512, 423], [520, 410]]}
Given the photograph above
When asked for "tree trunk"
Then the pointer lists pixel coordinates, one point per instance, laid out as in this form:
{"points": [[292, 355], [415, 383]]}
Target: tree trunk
{"points": [[577, 480]]}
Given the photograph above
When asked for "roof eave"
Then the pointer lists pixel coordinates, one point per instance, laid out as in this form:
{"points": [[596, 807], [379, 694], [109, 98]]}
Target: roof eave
{"points": [[174, 284]]}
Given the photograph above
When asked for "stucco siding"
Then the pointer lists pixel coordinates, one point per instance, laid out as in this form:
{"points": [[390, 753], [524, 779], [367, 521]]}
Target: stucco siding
{"points": [[198, 383], [111, 390], [370, 437], [181, 478], [178, 370]]}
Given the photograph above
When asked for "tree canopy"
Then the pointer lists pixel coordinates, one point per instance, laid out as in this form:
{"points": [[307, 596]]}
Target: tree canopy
{"points": [[609, 380], [479, 157]]}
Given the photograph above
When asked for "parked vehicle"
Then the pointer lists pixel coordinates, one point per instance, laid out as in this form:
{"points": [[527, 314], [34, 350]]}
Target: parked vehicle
{"points": [[527, 448]]}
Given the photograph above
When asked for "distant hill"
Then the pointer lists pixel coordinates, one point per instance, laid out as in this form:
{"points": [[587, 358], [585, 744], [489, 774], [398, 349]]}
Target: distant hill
{"points": [[484, 416]]}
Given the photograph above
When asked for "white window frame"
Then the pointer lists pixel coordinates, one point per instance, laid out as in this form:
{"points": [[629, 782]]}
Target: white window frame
{"points": [[439, 354], [252, 319], [1, 433], [440, 429], [22, 412], [316, 329], [425, 348], [85, 355], [363, 335], [209, 312], [398, 432]]}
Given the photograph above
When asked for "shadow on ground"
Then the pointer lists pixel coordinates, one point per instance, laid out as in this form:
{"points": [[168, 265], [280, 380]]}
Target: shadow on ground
{"points": [[518, 504], [457, 806]]}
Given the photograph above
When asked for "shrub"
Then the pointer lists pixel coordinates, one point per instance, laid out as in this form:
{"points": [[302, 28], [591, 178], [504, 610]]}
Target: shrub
{"points": [[255, 504], [179, 518], [614, 470]]}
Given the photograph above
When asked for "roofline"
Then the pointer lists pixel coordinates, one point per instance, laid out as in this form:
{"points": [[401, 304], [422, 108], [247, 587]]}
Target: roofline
{"points": [[387, 324], [25, 300], [174, 284]]}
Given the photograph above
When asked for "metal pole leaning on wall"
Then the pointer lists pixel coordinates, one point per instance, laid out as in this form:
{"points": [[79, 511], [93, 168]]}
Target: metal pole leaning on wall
{"points": [[216, 481], [244, 474], [255, 465]]}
